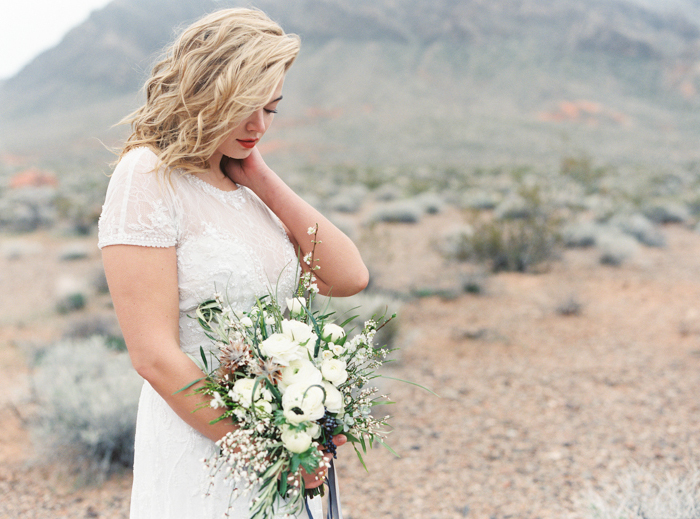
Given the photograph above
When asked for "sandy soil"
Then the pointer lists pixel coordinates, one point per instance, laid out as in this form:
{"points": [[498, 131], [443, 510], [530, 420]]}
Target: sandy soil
{"points": [[537, 408]]}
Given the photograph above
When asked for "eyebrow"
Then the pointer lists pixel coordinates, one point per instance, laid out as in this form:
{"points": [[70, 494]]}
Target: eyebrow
{"points": [[275, 100]]}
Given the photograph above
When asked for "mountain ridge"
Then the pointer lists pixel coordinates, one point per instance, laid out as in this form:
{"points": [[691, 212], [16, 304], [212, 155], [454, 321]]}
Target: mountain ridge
{"points": [[516, 57]]}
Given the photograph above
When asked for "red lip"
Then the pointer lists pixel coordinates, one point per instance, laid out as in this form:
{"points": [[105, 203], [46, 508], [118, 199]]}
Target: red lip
{"points": [[247, 143]]}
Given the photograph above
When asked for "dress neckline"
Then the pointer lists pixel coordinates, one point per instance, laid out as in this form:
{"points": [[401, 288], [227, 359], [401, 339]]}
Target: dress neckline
{"points": [[236, 194]]}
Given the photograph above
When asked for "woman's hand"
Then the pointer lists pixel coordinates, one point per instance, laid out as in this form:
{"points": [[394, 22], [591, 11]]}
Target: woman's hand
{"points": [[316, 479], [246, 172]]}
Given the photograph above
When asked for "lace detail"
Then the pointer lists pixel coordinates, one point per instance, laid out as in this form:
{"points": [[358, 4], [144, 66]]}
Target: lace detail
{"points": [[235, 197], [227, 242]]}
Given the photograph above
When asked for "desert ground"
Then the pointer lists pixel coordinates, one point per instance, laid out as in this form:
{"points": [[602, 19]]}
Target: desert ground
{"points": [[552, 385]]}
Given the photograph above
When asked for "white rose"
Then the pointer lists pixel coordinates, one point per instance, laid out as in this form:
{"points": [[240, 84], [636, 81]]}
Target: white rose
{"points": [[298, 331], [296, 441], [333, 332], [302, 402], [281, 349], [337, 349], [334, 398], [334, 371], [302, 370], [327, 355], [296, 306], [243, 391]]}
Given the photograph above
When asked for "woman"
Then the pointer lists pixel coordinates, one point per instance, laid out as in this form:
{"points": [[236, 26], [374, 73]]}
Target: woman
{"points": [[192, 209]]}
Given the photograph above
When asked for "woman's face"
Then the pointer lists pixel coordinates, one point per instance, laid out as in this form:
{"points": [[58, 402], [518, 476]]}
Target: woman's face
{"points": [[243, 138]]}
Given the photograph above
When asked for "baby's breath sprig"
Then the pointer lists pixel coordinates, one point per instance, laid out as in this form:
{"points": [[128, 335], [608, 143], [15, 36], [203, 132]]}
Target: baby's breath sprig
{"points": [[307, 281]]}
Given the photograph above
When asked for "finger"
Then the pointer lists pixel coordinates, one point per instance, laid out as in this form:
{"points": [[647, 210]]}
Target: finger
{"points": [[340, 439]]}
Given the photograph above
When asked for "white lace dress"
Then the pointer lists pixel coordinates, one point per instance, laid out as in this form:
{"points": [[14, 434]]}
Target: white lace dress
{"points": [[227, 242]]}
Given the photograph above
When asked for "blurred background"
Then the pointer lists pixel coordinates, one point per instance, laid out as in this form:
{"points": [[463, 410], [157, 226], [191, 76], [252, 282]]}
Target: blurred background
{"points": [[522, 178]]}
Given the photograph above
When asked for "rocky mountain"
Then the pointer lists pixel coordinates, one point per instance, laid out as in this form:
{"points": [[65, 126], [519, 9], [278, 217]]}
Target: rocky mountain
{"points": [[477, 81]]}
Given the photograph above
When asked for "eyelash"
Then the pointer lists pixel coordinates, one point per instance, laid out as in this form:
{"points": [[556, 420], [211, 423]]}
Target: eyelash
{"points": [[270, 111]]}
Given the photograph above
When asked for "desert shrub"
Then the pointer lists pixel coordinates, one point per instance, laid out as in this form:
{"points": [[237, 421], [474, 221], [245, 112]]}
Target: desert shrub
{"points": [[88, 394], [512, 207], [455, 243], [71, 294], [105, 326], [569, 306], [615, 247], [432, 203], [399, 211], [71, 303], [99, 281], [640, 227], [514, 245], [480, 200], [365, 306], [581, 169], [642, 495], [581, 234], [473, 282], [74, 252], [667, 212], [387, 192], [349, 200]]}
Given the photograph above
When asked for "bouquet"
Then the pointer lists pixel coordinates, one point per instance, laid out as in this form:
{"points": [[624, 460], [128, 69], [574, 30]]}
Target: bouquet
{"points": [[290, 381]]}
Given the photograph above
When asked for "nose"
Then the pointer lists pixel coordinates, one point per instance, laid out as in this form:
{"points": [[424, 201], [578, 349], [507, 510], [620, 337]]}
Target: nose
{"points": [[256, 122]]}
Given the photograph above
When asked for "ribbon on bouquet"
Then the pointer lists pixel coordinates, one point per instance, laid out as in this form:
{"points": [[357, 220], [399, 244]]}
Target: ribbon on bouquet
{"points": [[334, 510]]}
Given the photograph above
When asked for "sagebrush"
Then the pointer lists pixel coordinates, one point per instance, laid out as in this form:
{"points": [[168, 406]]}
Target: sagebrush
{"points": [[88, 394]]}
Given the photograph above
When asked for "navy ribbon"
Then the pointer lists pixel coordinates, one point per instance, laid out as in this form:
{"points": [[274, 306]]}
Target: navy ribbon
{"points": [[334, 510]]}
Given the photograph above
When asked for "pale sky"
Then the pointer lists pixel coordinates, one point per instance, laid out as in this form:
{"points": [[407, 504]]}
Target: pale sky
{"points": [[28, 27]]}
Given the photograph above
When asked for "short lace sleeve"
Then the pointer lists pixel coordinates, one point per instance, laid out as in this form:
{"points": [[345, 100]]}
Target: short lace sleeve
{"points": [[139, 208]]}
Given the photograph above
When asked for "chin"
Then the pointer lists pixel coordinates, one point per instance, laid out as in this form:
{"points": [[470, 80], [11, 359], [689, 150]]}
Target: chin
{"points": [[239, 154]]}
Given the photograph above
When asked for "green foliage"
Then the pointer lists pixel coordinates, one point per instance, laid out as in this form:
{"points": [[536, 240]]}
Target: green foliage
{"points": [[520, 245], [365, 305], [71, 303], [582, 170]]}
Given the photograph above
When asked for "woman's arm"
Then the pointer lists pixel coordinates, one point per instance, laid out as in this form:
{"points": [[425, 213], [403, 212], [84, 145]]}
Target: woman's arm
{"points": [[143, 285], [342, 272]]}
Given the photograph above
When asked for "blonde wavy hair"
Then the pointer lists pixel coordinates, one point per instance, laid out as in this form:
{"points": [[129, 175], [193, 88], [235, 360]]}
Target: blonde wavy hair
{"points": [[220, 70]]}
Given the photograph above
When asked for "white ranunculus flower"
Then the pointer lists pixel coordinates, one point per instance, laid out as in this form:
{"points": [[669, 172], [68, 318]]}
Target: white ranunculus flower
{"points": [[334, 371], [243, 391], [334, 398], [302, 402], [296, 306], [296, 441], [300, 332], [327, 355], [282, 349], [313, 430], [333, 332], [263, 406], [302, 370], [337, 349], [246, 321]]}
